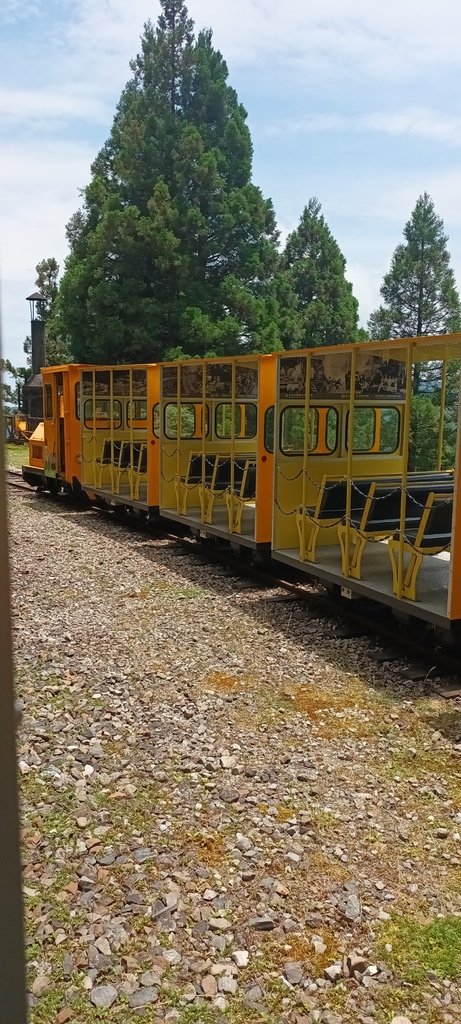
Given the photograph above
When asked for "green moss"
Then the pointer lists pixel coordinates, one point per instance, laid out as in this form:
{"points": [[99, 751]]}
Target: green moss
{"points": [[422, 946]]}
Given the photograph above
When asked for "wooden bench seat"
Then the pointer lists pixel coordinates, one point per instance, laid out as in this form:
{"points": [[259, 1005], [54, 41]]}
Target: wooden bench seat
{"points": [[329, 511], [137, 471], [431, 536]]}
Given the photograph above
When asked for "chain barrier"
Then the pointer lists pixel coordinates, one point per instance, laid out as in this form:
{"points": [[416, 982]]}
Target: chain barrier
{"points": [[283, 511], [356, 487]]}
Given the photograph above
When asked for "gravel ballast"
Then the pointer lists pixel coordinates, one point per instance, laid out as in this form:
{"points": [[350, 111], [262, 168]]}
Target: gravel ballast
{"points": [[228, 814]]}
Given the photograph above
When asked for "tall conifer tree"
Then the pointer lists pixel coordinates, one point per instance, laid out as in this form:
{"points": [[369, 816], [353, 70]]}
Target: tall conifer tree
{"points": [[316, 301], [175, 248], [419, 292]]}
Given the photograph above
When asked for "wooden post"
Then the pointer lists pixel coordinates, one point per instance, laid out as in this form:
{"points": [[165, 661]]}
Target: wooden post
{"points": [[12, 977]]}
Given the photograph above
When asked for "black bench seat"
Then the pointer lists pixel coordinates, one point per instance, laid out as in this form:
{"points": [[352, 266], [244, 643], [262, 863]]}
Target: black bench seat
{"points": [[381, 517], [241, 496], [200, 467], [330, 509], [431, 536], [226, 471]]}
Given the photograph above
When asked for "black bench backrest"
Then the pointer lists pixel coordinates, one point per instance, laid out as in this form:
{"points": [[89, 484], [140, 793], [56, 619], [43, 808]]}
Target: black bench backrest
{"points": [[437, 531], [106, 454], [125, 455], [194, 473], [116, 452], [249, 488], [142, 465], [385, 508], [334, 498]]}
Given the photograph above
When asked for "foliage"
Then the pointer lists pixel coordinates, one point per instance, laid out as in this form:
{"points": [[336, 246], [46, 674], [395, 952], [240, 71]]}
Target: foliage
{"points": [[424, 433], [47, 283], [317, 306], [419, 947], [9, 393], [419, 292], [421, 298], [175, 248], [57, 350]]}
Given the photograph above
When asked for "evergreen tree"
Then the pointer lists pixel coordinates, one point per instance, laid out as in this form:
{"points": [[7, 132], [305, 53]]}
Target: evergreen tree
{"points": [[317, 306], [47, 283], [419, 292], [175, 248], [57, 348]]}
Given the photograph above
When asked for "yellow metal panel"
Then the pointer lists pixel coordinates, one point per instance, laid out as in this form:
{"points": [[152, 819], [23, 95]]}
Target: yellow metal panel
{"points": [[265, 459]]}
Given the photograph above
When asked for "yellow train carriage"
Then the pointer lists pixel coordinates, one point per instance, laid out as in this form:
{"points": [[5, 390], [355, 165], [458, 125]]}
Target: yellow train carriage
{"points": [[350, 508], [119, 444], [216, 447]]}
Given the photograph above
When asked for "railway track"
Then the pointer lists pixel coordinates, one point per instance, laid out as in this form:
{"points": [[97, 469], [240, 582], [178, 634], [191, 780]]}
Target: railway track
{"points": [[14, 479], [348, 620]]}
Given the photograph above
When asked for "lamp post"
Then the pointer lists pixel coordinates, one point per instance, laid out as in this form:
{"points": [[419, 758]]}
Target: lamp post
{"points": [[37, 305]]}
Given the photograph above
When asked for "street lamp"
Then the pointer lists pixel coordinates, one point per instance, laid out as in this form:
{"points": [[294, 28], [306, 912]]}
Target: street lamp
{"points": [[37, 305]]}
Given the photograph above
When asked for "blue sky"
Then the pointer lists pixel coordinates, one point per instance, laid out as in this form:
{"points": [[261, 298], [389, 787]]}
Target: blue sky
{"points": [[358, 103]]}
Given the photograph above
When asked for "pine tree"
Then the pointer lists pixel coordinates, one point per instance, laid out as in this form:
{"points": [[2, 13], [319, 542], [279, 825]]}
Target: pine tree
{"points": [[175, 248], [316, 302], [419, 292]]}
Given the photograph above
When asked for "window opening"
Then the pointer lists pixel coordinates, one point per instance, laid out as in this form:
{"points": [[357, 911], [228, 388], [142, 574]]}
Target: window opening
{"points": [[187, 421], [101, 419], [269, 427], [139, 408], [321, 434], [245, 420]]}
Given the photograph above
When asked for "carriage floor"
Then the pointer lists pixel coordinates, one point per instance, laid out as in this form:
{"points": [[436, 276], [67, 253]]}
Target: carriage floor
{"points": [[432, 585]]}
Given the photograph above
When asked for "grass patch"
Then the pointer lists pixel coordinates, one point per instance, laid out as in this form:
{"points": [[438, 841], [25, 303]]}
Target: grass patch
{"points": [[16, 455], [419, 947]]}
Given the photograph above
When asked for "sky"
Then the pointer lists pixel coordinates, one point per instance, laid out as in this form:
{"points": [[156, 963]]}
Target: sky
{"points": [[357, 103]]}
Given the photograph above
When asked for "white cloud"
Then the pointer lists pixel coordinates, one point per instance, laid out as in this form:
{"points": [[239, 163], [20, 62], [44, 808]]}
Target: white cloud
{"points": [[361, 39], [39, 184], [37, 108], [416, 122]]}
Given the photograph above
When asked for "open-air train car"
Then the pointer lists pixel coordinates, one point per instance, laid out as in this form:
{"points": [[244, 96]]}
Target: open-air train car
{"points": [[216, 432], [119, 441], [352, 506]]}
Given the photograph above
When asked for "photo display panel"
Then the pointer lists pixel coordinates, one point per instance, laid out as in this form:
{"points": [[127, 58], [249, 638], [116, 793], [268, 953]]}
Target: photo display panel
{"points": [[330, 376]]}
